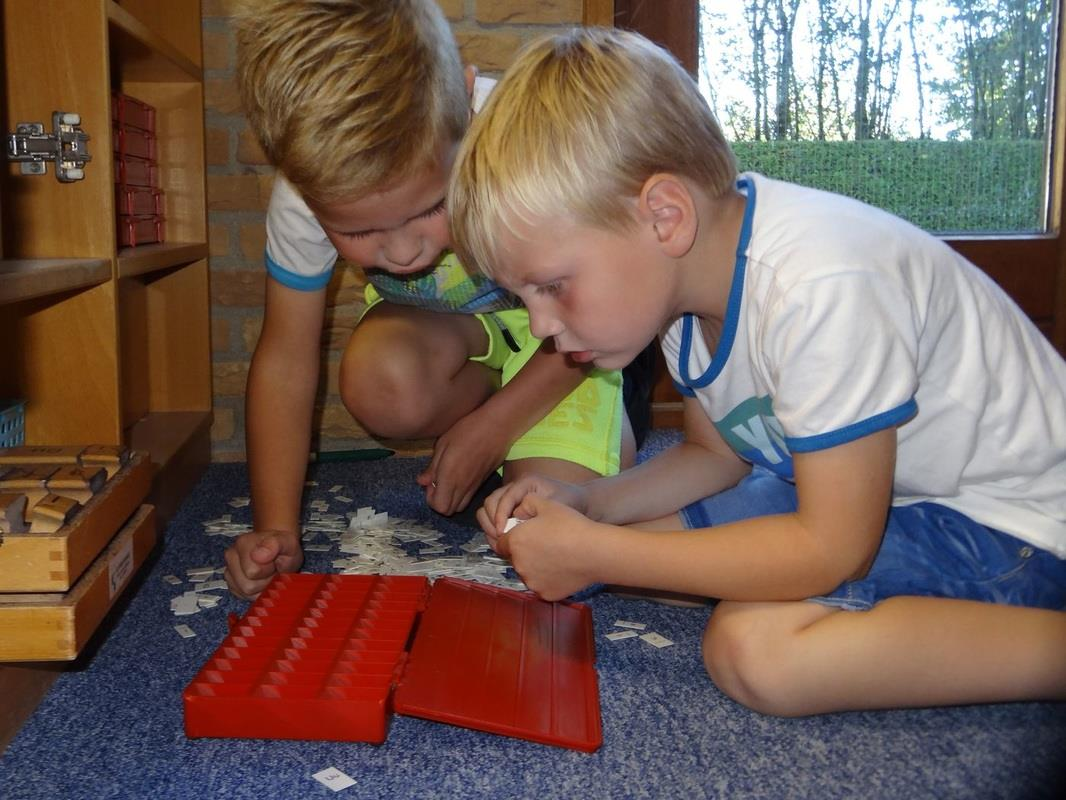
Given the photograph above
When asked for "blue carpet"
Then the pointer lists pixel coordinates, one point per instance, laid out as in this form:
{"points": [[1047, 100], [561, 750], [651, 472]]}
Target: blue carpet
{"points": [[112, 726]]}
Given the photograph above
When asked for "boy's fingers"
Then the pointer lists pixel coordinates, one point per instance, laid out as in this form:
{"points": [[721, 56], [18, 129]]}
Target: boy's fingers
{"points": [[272, 551], [289, 556], [264, 553], [237, 578], [254, 559], [496, 541], [465, 501], [506, 504]]}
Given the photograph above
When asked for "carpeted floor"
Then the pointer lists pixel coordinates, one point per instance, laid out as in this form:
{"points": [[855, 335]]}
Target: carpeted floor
{"points": [[112, 727]]}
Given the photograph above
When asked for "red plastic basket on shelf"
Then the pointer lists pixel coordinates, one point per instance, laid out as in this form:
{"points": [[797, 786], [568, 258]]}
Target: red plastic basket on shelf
{"points": [[131, 112], [133, 171], [127, 141], [133, 231], [330, 656], [139, 201]]}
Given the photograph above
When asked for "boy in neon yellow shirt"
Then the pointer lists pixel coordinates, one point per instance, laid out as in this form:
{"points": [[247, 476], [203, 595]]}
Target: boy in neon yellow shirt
{"points": [[360, 105]]}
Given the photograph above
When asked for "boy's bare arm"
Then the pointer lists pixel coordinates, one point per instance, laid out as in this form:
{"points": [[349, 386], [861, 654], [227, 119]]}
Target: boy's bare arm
{"points": [[844, 495], [478, 443], [280, 398], [701, 465]]}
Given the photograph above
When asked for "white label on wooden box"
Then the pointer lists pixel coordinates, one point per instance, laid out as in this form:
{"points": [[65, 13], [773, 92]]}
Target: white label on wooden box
{"points": [[120, 567]]}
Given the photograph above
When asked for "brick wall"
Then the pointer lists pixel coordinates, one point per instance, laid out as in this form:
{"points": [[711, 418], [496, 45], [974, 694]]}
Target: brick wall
{"points": [[238, 189]]}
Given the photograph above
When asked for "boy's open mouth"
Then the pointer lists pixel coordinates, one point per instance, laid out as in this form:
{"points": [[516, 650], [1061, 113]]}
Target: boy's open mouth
{"points": [[406, 274]]}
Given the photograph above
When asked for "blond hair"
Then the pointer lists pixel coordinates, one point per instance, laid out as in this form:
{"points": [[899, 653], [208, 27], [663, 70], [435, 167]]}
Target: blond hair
{"points": [[574, 128], [346, 96]]}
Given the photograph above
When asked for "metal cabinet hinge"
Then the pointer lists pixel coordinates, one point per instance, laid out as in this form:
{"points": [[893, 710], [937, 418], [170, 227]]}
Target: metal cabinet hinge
{"points": [[66, 145]]}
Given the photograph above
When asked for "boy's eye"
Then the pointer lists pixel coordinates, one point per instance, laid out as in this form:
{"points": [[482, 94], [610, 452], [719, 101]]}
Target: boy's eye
{"points": [[437, 209], [552, 288]]}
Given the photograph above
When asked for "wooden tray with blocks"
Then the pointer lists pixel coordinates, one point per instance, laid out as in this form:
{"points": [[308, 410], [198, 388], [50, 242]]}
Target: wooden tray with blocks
{"points": [[60, 507], [55, 627]]}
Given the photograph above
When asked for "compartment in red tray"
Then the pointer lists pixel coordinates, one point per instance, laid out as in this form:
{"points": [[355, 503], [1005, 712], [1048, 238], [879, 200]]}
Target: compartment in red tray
{"points": [[133, 231], [353, 681], [280, 678], [202, 689], [318, 662], [482, 657]]}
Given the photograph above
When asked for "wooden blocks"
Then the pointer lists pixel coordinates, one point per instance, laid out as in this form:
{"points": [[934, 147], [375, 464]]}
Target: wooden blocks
{"points": [[49, 477], [12, 514], [61, 535]]}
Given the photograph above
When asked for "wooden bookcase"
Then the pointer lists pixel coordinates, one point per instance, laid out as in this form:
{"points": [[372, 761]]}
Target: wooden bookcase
{"points": [[106, 344]]}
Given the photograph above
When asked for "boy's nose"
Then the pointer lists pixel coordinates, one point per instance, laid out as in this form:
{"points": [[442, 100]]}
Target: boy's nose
{"points": [[401, 251], [543, 326]]}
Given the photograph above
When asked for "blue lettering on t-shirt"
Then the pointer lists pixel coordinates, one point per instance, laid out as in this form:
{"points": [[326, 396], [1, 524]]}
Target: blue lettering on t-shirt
{"points": [[755, 434]]}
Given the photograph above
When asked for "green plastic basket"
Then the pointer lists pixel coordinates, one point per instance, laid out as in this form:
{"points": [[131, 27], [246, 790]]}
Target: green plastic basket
{"points": [[12, 423]]}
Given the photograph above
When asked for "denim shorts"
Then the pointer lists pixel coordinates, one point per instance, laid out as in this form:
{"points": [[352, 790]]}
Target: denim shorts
{"points": [[927, 549]]}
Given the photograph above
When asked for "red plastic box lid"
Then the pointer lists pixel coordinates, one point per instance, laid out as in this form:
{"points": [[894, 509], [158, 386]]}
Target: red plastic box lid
{"points": [[326, 657], [505, 662]]}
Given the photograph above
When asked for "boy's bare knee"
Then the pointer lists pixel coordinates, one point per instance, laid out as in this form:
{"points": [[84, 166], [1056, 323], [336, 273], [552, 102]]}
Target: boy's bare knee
{"points": [[384, 395], [746, 661]]}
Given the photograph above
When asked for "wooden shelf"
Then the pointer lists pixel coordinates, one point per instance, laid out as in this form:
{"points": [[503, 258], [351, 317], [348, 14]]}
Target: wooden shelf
{"points": [[24, 279], [180, 444], [165, 433], [144, 55], [148, 258], [103, 343]]}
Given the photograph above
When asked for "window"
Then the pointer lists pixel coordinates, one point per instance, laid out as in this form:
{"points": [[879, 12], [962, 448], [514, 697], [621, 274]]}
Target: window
{"points": [[936, 110]]}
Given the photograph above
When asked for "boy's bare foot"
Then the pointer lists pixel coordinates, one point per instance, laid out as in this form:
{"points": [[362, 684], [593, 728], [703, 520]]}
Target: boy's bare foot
{"points": [[656, 596]]}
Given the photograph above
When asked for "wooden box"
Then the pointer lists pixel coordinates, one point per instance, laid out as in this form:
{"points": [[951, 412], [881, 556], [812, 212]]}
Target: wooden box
{"points": [[52, 562], [55, 627]]}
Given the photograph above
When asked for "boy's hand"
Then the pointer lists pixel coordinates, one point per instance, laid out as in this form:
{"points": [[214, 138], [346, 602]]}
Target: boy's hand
{"points": [[463, 457], [549, 549], [510, 501], [256, 557]]}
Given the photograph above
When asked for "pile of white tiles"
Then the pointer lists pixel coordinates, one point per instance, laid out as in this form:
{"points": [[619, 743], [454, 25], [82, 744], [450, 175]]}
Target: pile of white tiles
{"points": [[369, 541]]}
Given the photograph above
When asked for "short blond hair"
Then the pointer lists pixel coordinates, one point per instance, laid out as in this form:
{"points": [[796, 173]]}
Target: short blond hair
{"points": [[345, 96], [574, 128]]}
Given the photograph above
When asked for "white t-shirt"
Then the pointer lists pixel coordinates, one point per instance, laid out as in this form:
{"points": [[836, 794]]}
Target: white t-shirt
{"points": [[844, 320], [300, 256]]}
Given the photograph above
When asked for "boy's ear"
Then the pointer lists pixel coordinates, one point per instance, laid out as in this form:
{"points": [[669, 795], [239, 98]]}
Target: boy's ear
{"points": [[667, 204], [469, 76]]}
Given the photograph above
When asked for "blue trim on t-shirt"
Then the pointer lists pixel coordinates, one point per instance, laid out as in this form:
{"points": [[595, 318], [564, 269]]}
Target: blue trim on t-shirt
{"points": [[849, 433], [732, 316], [293, 280], [684, 390]]}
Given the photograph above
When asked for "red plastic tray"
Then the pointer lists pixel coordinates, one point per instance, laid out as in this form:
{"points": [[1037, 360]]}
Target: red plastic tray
{"points": [[139, 200], [128, 141], [126, 110], [329, 657], [135, 171], [133, 231]]}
